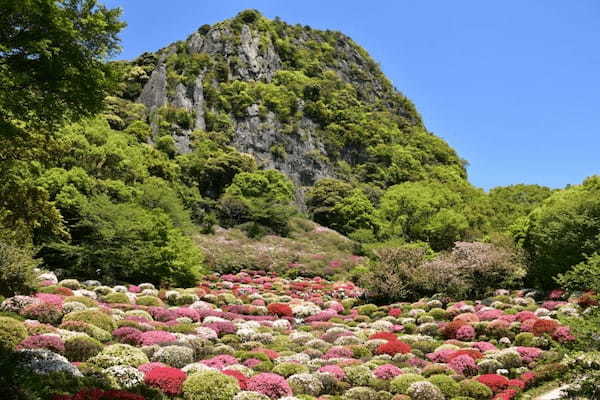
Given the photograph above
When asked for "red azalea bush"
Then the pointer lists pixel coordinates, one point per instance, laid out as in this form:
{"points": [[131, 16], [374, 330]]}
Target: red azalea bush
{"points": [[383, 335], [280, 309], [494, 381], [241, 378], [449, 330], [392, 348], [167, 379], [542, 326]]}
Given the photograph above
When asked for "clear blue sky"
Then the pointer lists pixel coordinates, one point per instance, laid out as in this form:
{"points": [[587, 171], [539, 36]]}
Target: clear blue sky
{"points": [[512, 85]]}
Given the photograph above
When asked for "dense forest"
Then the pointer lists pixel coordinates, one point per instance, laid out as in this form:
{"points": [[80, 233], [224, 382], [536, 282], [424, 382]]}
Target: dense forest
{"points": [[256, 133]]}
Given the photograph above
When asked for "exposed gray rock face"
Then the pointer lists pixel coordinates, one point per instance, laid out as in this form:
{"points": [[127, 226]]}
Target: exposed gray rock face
{"points": [[154, 93], [300, 162], [299, 154]]}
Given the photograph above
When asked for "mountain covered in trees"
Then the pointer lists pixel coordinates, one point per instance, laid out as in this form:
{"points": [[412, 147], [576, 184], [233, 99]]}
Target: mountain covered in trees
{"points": [[243, 132]]}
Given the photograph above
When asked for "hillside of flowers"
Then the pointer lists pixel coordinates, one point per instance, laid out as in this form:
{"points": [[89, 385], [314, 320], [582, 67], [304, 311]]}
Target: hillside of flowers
{"points": [[256, 336]]}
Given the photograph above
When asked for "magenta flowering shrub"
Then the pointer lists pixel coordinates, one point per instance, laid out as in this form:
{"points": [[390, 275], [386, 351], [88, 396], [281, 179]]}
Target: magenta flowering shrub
{"points": [[334, 370], [49, 342], [464, 365], [48, 298], [387, 371], [271, 385], [156, 337], [220, 362], [465, 333]]}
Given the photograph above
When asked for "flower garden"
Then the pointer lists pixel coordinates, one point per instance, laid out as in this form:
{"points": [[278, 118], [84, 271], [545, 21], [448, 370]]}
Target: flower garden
{"points": [[256, 336]]}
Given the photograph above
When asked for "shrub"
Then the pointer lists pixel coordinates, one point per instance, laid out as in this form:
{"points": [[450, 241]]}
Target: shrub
{"points": [[123, 376], [116, 298], [148, 301], [93, 331], [474, 389], [93, 317], [209, 386], [387, 371], [392, 348], [50, 342], [280, 309], [81, 348], [43, 312], [17, 270], [287, 369], [401, 383], [446, 384], [119, 354], [12, 332], [169, 380], [495, 382], [175, 356], [156, 337], [305, 384], [423, 390], [271, 385], [583, 276]]}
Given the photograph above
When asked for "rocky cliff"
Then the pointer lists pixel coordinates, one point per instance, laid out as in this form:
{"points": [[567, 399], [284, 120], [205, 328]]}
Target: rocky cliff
{"points": [[309, 103]]}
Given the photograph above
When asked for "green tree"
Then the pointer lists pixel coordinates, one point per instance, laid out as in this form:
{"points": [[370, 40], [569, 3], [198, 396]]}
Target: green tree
{"points": [[423, 211], [125, 242], [52, 55], [515, 201], [52, 70], [562, 230], [322, 197], [17, 269], [261, 199]]}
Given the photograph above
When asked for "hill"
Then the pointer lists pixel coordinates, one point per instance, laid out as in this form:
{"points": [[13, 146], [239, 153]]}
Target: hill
{"points": [[312, 104]]}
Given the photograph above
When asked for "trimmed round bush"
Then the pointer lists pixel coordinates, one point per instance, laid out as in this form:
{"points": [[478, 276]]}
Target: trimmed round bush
{"points": [[288, 369], [89, 329], [116, 298], [149, 301], [167, 379], [119, 354], [81, 348], [401, 383], [50, 342], [449, 387], [175, 356], [474, 389], [12, 332], [94, 317], [360, 393], [424, 390], [305, 384], [210, 386], [43, 312], [271, 385]]}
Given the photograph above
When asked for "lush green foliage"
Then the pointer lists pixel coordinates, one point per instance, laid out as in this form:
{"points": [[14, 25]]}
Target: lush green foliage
{"points": [[512, 202], [17, 270], [583, 276], [563, 230], [261, 199], [52, 70]]}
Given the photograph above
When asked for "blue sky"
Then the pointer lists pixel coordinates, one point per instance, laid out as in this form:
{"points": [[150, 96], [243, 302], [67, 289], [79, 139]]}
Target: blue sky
{"points": [[512, 85]]}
